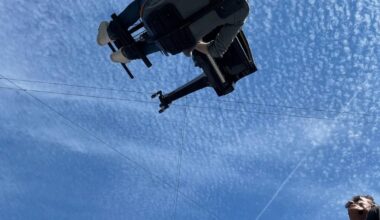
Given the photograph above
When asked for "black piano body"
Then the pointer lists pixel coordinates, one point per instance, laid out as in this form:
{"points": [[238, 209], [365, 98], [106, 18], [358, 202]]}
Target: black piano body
{"points": [[170, 32]]}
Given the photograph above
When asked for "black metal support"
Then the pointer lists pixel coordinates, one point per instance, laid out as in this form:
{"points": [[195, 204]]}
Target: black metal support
{"points": [[127, 40], [196, 84], [123, 64], [136, 28], [216, 77]]}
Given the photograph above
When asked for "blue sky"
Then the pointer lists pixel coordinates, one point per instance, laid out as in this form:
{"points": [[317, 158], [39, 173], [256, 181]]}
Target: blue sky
{"points": [[80, 140]]}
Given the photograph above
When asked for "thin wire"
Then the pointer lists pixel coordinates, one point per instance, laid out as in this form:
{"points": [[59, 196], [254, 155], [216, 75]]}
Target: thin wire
{"points": [[297, 108], [77, 86], [295, 169], [109, 146], [261, 112], [220, 101], [244, 111], [78, 95], [179, 164]]}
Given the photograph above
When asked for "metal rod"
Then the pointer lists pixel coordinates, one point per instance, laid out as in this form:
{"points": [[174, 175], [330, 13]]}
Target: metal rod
{"points": [[128, 39], [122, 64], [216, 68], [136, 27]]}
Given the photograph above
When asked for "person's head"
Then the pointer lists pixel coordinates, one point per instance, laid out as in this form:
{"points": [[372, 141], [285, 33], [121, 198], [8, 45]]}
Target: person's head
{"points": [[359, 206], [361, 202]]}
